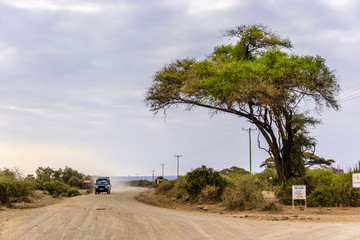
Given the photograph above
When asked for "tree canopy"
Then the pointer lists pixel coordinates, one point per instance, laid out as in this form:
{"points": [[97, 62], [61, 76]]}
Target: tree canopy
{"points": [[259, 79]]}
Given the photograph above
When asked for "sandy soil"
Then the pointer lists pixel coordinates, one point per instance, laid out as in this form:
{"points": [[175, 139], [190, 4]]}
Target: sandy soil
{"points": [[120, 216]]}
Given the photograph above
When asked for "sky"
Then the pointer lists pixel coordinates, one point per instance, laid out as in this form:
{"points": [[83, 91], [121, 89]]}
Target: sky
{"points": [[74, 74]]}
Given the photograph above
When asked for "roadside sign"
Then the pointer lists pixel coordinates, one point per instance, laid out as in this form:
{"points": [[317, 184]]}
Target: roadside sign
{"points": [[356, 180], [269, 195], [298, 193]]}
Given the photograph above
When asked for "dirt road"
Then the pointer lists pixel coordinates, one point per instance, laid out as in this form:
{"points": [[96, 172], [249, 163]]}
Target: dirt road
{"points": [[120, 216]]}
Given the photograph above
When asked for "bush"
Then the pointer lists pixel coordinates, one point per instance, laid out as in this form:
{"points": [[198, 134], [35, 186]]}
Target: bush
{"points": [[271, 206], [209, 194], [75, 182], [268, 177], [56, 188], [316, 178], [244, 193], [60, 189], [141, 183], [346, 195], [12, 188], [323, 189], [165, 187], [198, 179], [322, 197], [73, 192], [179, 189]]}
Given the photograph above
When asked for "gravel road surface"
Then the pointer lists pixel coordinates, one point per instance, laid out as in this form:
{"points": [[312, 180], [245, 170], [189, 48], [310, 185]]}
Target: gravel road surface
{"points": [[120, 216]]}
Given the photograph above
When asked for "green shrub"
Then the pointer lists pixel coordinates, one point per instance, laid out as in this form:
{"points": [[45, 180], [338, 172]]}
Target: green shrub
{"points": [[56, 188], [60, 189], [71, 177], [164, 187], [141, 183], [322, 197], [179, 188], [323, 189], [209, 194], [13, 190], [244, 193], [74, 181], [72, 192], [198, 179], [316, 178], [346, 195], [268, 177]]}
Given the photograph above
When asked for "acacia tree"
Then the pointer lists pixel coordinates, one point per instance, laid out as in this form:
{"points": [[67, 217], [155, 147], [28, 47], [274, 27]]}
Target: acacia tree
{"points": [[256, 78]]}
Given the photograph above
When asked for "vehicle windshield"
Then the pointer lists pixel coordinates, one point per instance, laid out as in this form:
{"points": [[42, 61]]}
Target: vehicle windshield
{"points": [[99, 182]]}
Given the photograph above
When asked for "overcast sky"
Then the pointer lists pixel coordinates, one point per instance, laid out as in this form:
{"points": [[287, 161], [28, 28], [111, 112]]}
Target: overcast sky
{"points": [[74, 74]]}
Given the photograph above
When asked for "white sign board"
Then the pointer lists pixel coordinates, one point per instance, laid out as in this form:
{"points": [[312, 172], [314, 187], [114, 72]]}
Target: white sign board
{"points": [[356, 180], [299, 192]]}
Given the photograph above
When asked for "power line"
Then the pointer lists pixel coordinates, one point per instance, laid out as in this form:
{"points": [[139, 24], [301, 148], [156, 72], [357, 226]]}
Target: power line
{"points": [[219, 143], [350, 95]]}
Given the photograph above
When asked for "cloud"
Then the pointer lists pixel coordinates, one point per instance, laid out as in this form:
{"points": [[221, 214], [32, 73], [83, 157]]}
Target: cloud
{"points": [[202, 6], [7, 54], [340, 4], [66, 6]]}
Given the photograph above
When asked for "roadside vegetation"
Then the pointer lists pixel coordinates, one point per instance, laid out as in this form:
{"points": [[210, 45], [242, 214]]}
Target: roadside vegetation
{"points": [[236, 189], [140, 183], [14, 187]]}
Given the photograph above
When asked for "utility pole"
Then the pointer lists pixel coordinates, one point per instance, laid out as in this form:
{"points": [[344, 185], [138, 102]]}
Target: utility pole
{"points": [[162, 165], [177, 156], [250, 130], [153, 175]]}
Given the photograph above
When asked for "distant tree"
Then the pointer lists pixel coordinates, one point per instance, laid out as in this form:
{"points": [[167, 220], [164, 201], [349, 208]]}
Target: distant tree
{"points": [[13, 173], [233, 171], [69, 173], [275, 90], [268, 163], [312, 159], [57, 174], [43, 174]]}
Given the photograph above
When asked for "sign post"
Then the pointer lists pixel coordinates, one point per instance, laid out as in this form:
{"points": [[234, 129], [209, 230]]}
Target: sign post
{"points": [[298, 193], [356, 180]]}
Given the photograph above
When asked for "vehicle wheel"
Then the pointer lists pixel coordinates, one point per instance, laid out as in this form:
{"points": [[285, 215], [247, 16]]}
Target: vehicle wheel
{"points": [[108, 192]]}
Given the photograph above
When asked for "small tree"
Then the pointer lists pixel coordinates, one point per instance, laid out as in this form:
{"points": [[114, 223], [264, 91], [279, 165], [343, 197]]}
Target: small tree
{"points": [[272, 89], [234, 171], [197, 180], [72, 177], [43, 175]]}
